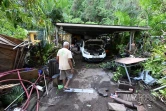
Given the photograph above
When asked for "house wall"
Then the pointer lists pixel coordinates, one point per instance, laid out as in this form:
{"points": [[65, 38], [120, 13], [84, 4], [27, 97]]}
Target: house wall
{"points": [[66, 37]]}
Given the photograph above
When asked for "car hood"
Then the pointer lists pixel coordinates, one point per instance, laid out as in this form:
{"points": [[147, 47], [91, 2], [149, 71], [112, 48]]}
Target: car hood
{"points": [[94, 49]]}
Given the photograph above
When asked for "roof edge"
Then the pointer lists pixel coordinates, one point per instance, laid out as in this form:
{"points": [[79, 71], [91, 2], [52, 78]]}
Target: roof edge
{"points": [[103, 26]]}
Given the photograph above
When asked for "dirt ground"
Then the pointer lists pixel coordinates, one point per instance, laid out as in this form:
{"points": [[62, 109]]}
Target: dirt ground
{"points": [[90, 76]]}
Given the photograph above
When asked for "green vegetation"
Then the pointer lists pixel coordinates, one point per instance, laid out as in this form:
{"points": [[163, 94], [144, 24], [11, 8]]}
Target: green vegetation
{"points": [[12, 95], [106, 65], [157, 64], [40, 54], [19, 16], [120, 71], [118, 12]]}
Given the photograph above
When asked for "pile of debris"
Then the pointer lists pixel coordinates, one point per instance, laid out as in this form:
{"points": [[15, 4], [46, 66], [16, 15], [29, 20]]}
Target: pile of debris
{"points": [[127, 97]]}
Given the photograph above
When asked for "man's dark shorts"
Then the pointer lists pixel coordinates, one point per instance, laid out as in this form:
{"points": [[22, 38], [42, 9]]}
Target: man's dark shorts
{"points": [[66, 74]]}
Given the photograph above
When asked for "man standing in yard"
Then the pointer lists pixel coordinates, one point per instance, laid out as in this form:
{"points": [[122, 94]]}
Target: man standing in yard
{"points": [[64, 57]]}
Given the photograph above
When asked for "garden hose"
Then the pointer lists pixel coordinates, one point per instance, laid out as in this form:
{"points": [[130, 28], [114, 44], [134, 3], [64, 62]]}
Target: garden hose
{"points": [[37, 105], [21, 81]]}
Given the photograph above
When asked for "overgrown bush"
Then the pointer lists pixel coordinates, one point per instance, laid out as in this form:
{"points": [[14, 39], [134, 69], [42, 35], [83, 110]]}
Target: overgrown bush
{"points": [[156, 64], [108, 65], [12, 95], [49, 51], [120, 71], [39, 55]]}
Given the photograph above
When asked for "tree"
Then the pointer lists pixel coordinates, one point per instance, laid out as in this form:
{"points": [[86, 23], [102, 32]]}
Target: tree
{"points": [[20, 16]]}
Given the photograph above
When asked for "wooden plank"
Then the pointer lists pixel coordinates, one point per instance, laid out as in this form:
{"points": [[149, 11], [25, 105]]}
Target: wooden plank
{"points": [[6, 46], [16, 57], [129, 60], [19, 59], [7, 57], [27, 75], [6, 86], [116, 107]]}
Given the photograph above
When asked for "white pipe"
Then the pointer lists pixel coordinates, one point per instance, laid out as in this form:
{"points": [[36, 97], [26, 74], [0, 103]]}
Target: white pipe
{"points": [[159, 88], [27, 44], [45, 83], [18, 45], [17, 98]]}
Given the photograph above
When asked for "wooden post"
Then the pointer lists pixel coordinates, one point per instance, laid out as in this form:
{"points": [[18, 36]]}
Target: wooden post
{"points": [[21, 55], [41, 55], [16, 59], [131, 39], [57, 40]]}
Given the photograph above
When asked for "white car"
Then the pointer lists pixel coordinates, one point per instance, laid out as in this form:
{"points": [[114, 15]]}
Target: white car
{"points": [[93, 50]]}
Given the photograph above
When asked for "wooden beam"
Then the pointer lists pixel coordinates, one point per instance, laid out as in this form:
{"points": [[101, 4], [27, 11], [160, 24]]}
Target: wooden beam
{"points": [[8, 86], [27, 75]]}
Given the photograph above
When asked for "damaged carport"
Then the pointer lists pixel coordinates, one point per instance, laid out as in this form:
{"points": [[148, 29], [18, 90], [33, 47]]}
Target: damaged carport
{"points": [[95, 30], [93, 78]]}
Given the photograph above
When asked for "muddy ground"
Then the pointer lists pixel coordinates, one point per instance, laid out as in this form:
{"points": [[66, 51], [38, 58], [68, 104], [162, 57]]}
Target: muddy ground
{"points": [[90, 75]]}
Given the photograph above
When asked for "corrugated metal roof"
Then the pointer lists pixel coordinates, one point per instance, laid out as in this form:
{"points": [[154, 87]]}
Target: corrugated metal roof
{"points": [[85, 29]]}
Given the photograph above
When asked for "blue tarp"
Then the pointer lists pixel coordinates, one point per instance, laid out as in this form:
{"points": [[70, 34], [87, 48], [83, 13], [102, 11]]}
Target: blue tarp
{"points": [[144, 75]]}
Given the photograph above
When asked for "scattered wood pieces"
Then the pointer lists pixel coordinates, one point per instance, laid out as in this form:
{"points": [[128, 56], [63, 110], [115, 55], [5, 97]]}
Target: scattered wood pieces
{"points": [[126, 103], [125, 86], [126, 92], [141, 108], [2, 87], [116, 107]]}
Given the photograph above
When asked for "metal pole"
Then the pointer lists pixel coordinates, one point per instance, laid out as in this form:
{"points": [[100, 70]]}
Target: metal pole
{"points": [[45, 83], [127, 73], [62, 33], [159, 88], [56, 36], [27, 44], [130, 41], [19, 45]]}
